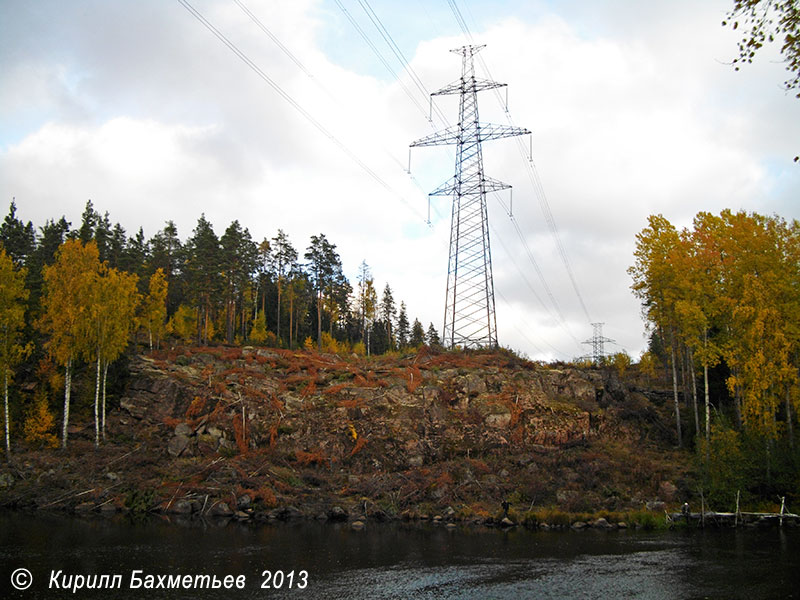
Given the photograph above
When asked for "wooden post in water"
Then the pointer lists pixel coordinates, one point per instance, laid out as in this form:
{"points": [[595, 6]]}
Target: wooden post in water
{"points": [[783, 505], [702, 510], [736, 516]]}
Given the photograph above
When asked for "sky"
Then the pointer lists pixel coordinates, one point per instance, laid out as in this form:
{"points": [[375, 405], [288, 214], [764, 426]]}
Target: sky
{"points": [[302, 116]]}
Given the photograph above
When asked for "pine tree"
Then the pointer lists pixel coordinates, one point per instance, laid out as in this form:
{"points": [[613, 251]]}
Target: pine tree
{"points": [[282, 261], [388, 312], [203, 274], [239, 255], [402, 327], [167, 254], [12, 320], [51, 236], [325, 270], [433, 336], [417, 334], [89, 221], [366, 303], [16, 237]]}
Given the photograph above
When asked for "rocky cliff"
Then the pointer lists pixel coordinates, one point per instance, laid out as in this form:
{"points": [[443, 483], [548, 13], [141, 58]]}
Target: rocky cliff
{"points": [[265, 433]]}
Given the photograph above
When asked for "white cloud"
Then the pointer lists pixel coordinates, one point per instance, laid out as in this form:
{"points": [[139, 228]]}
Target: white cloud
{"points": [[146, 113]]}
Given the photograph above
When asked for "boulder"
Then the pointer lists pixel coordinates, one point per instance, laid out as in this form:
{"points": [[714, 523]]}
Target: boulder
{"points": [[498, 420], [183, 429], [181, 507], [357, 525], [337, 513], [579, 525], [220, 509], [602, 523], [506, 522], [177, 445]]}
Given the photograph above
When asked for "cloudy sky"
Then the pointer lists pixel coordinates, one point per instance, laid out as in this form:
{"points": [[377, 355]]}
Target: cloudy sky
{"points": [[634, 110]]}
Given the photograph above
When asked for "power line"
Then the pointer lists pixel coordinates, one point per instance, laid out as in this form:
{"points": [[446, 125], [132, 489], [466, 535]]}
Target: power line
{"points": [[387, 37], [380, 56], [293, 103]]}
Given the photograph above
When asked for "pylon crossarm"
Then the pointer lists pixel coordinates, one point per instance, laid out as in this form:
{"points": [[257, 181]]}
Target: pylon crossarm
{"points": [[490, 131], [472, 85], [440, 138]]}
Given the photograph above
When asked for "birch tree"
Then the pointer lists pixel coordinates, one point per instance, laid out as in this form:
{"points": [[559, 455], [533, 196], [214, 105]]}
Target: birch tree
{"points": [[13, 296], [66, 318]]}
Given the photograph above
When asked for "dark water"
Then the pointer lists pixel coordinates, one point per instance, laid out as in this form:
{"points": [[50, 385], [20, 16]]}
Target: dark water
{"points": [[396, 561]]}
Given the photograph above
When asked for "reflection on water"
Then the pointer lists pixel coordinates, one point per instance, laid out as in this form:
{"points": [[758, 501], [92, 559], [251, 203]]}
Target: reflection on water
{"points": [[398, 561]]}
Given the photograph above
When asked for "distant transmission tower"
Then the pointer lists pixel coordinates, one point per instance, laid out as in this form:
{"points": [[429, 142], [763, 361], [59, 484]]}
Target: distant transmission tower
{"points": [[469, 315], [597, 342]]}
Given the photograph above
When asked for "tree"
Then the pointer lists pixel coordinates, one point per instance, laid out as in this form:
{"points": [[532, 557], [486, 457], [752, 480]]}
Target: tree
{"points": [[655, 283], [433, 336], [402, 327], [51, 236], [238, 262], [258, 334], [325, 270], [166, 253], [282, 260], [89, 220], [417, 334], [112, 300], [388, 311], [366, 303], [12, 320], [764, 21], [204, 281], [154, 307], [16, 237], [66, 318]]}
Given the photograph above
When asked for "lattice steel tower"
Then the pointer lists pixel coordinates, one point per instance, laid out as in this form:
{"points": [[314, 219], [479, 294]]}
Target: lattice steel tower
{"points": [[469, 314], [597, 342]]}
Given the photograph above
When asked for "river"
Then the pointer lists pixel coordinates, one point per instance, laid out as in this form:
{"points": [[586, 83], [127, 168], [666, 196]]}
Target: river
{"points": [[323, 561]]}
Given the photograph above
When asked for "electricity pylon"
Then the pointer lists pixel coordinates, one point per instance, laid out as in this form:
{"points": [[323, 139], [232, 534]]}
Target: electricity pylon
{"points": [[469, 314], [597, 342]]}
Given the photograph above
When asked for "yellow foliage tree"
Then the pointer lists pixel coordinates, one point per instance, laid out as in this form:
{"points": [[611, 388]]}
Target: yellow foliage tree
{"points": [[154, 308], [39, 423], [183, 323], [113, 300], [12, 319], [258, 334], [67, 317]]}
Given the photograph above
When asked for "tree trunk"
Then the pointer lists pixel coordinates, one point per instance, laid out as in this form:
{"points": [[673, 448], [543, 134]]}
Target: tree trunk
{"points": [[150, 337], [67, 392], [789, 426], [738, 396], [675, 392], [97, 403], [5, 414], [291, 320], [278, 322], [708, 415], [103, 414], [319, 321], [694, 395]]}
